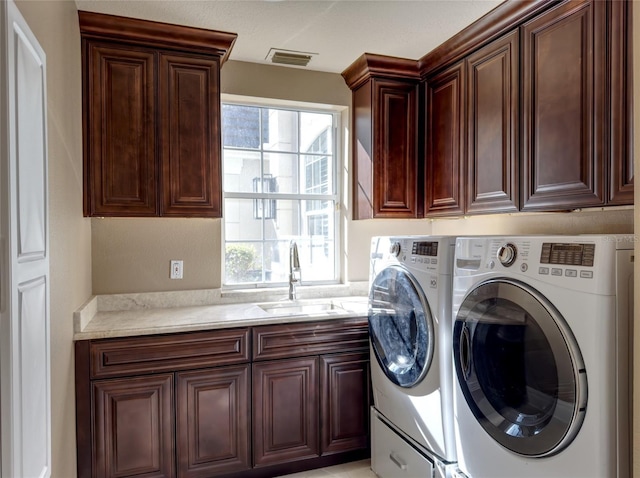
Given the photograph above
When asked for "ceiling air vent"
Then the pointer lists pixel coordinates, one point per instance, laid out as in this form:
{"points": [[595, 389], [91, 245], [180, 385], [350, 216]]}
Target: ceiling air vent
{"points": [[288, 57]]}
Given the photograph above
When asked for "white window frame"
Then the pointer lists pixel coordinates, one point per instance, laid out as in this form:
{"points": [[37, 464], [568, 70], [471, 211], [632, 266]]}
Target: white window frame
{"points": [[337, 196]]}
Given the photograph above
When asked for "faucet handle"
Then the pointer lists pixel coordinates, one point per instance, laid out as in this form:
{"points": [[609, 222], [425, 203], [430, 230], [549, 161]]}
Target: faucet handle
{"points": [[294, 260]]}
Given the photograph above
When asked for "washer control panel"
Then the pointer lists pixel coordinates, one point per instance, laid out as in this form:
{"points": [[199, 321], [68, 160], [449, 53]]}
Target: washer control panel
{"points": [[425, 248], [431, 254]]}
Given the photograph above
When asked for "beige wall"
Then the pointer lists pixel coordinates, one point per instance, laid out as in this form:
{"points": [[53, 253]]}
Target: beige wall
{"points": [[55, 24], [133, 255]]}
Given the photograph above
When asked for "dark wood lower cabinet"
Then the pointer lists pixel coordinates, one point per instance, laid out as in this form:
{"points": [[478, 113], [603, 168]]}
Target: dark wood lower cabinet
{"points": [[344, 388], [133, 427], [199, 405], [285, 410], [212, 417]]}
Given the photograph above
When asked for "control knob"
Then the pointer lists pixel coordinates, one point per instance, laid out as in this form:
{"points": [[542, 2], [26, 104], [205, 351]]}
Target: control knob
{"points": [[507, 254], [395, 249]]}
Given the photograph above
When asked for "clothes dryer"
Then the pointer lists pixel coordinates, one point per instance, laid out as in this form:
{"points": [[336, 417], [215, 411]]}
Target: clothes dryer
{"points": [[411, 369], [541, 356]]}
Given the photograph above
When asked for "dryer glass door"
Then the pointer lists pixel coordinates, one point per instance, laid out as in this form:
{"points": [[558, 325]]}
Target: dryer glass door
{"points": [[400, 326], [519, 368]]}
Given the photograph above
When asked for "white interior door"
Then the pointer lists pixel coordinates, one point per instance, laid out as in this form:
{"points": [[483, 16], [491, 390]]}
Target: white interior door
{"points": [[25, 403]]}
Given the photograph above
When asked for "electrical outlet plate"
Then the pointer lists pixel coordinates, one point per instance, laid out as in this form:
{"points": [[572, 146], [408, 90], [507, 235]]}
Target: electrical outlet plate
{"points": [[176, 270]]}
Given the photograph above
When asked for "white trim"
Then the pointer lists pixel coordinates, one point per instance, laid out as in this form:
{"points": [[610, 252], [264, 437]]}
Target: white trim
{"points": [[280, 104]]}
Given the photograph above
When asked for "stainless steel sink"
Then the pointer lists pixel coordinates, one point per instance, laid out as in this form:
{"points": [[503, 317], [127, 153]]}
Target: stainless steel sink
{"points": [[300, 308]]}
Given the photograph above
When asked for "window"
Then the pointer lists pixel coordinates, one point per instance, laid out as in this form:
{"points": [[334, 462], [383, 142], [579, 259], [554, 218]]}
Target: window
{"points": [[280, 185]]}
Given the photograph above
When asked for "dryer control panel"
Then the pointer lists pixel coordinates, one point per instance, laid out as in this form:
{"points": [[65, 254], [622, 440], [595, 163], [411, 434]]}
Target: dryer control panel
{"points": [[568, 254], [580, 262]]}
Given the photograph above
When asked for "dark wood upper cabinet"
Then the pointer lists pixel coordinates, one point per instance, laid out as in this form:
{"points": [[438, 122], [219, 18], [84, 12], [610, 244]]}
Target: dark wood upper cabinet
{"points": [[385, 148], [527, 109], [621, 122], [445, 129], [190, 136], [151, 117], [120, 136], [493, 116], [564, 107]]}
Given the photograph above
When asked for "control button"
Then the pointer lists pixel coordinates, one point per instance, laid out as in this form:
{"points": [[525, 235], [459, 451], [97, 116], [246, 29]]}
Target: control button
{"points": [[433, 283], [543, 271], [571, 273], [556, 272], [395, 249], [524, 267], [491, 264], [507, 254], [434, 261], [586, 274], [413, 260]]}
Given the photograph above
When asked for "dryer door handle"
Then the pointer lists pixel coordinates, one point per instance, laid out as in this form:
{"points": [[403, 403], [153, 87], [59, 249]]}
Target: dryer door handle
{"points": [[465, 351]]}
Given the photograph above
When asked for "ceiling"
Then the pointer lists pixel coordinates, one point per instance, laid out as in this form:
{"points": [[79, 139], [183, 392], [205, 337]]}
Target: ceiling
{"points": [[336, 31]]}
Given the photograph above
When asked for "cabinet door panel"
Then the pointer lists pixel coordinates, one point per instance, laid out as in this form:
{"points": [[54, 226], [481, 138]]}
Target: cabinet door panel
{"points": [[133, 427], [395, 160], [493, 115], [120, 139], [213, 421], [190, 132], [445, 173], [621, 131], [363, 152], [564, 107], [285, 413], [344, 391]]}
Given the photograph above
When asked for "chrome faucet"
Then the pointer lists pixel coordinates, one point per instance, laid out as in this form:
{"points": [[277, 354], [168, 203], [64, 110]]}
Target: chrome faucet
{"points": [[294, 269]]}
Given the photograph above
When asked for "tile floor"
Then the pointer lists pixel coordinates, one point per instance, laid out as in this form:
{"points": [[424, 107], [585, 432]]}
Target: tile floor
{"points": [[355, 469]]}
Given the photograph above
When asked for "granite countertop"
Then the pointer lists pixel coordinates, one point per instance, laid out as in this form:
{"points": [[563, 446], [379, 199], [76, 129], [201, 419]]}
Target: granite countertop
{"points": [[125, 315]]}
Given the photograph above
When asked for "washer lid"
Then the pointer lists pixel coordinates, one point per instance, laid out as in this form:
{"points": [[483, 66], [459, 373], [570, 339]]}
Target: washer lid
{"points": [[400, 326], [519, 368]]}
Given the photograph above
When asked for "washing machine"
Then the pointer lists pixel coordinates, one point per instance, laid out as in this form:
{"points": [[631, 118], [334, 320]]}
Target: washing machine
{"points": [[411, 368], [541, 342]]}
